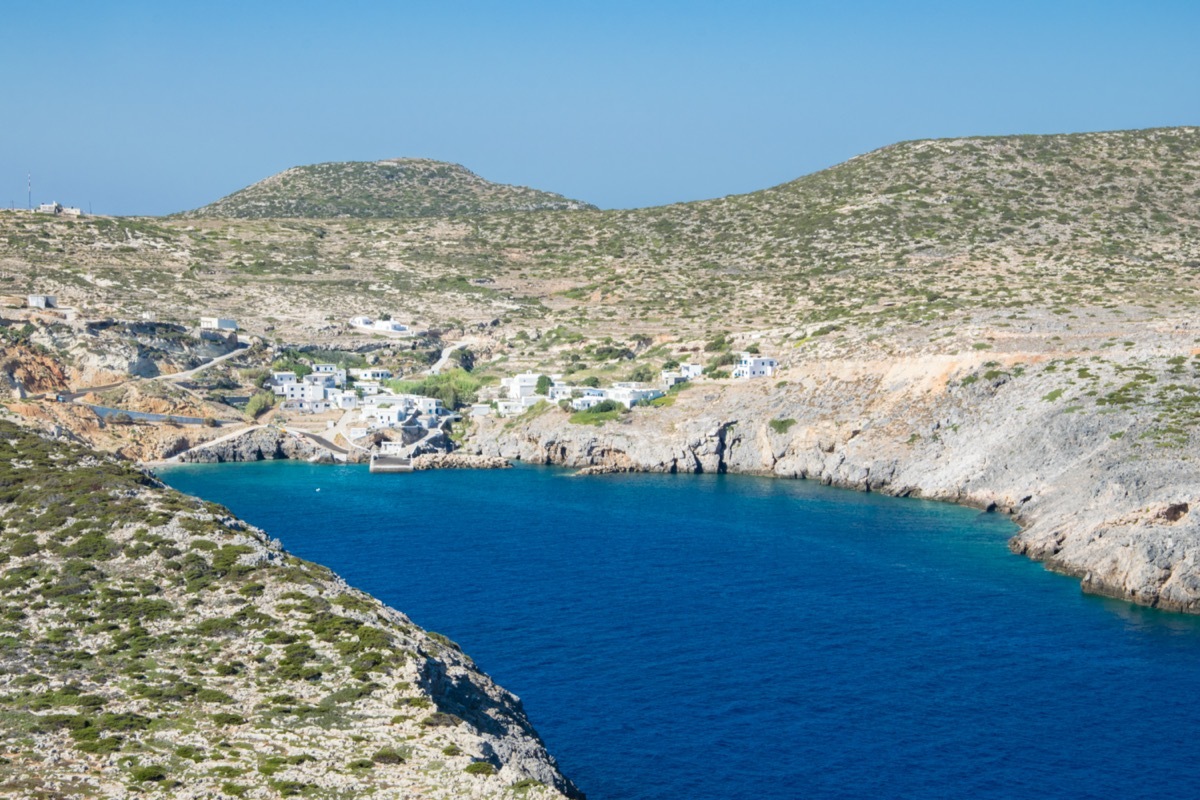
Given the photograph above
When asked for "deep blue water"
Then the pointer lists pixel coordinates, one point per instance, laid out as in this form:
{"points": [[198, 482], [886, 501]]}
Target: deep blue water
{"points": [[732, 637]]}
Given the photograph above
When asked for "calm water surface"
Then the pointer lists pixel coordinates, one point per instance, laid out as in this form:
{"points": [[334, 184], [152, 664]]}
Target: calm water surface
{"points": [[733, 637]]}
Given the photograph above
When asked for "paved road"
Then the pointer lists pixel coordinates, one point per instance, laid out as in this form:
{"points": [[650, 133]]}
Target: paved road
{"points": [[323, 442], [212, 362]]}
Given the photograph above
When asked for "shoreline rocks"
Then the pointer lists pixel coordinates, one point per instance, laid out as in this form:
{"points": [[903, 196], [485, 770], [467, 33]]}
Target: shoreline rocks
{"points": [[1091, 500], [458, 461]]}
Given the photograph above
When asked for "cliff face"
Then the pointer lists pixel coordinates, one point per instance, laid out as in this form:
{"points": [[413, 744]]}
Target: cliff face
{"points": [[262, 444], [153, 641], [1101, 486]]}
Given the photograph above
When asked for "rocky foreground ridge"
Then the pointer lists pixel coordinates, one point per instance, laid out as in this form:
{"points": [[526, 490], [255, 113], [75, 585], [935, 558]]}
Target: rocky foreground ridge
{"points": [[1092, 454], [152, 643]]}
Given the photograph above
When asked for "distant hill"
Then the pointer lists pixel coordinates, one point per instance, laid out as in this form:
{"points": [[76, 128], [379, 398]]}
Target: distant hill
{"points": [[394, 188]]}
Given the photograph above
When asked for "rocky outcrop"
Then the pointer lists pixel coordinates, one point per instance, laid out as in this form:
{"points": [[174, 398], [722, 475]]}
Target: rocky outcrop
{"points": [[261, 444], [1094, 496]]}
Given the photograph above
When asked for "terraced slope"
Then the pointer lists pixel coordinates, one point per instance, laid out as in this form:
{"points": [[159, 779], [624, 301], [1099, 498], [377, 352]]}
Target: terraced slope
{"points": [[152, 642], [395, 188]]}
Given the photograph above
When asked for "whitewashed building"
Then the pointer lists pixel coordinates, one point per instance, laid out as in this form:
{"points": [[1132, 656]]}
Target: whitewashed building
{"points": [[217, 324], [331, 371], [630, 394], [371, 374], [42, 301], [753, 366], [691, 371], [521, 385]]}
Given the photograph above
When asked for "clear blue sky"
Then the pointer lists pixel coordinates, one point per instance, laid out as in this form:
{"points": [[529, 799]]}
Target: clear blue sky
{"points": [[154, 107]]}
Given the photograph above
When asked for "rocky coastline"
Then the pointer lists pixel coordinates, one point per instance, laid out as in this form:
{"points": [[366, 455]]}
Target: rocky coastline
{"points": [[1093, 500]]}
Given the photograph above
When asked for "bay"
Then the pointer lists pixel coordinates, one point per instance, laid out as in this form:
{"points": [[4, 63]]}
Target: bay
{"points": [[720, 636]]}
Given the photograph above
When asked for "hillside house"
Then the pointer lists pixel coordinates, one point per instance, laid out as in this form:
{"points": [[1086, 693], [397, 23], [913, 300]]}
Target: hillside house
{"points": [[217, 324], [371, 374], [630, 394], [520, 386], [752, 366], [691, 371], [331, 371], [42, 301], [281, 379]]}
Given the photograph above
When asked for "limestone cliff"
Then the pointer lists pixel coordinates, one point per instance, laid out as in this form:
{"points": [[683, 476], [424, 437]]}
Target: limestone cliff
{"points": [[1095, 470]]}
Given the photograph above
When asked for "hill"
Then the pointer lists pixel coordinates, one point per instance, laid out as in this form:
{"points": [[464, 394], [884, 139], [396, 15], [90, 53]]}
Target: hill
{"points": [[913, 233], [153, 641], [399, 188]]}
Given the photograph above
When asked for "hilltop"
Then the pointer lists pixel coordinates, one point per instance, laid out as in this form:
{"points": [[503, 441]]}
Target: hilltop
{"points": [[152, 641], [910, 233], [393, 188]]}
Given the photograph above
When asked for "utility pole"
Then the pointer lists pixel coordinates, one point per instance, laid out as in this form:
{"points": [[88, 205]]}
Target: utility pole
{"points": [[29, 187]]}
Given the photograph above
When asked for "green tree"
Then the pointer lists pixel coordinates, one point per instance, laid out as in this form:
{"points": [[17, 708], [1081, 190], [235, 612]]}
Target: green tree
{"points": [[543, 385]]}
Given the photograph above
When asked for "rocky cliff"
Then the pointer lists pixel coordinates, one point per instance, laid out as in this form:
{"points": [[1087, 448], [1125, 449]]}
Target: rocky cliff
{"points": [[154, 643], [1090, 456], [259, 444]]}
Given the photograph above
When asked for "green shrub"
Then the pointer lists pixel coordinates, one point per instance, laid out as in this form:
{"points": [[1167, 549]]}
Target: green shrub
{"points": [[260, 403], [226, 718], [388, 755], [480, 768], [781, 426], [150, 772]]}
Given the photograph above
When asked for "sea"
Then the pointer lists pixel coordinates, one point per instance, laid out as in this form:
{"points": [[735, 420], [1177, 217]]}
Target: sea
{"points": [[720, 636]]}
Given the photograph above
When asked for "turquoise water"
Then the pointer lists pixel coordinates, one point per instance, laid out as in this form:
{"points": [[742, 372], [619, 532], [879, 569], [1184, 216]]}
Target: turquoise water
{"points": [[682, 636]]}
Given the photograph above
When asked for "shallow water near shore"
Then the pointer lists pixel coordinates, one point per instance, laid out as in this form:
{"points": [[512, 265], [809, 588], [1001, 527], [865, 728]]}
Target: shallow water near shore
{"points": [[712, 636]]}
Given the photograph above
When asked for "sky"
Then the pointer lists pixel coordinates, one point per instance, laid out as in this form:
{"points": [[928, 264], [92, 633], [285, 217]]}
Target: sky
{"points": [[150, 108]]}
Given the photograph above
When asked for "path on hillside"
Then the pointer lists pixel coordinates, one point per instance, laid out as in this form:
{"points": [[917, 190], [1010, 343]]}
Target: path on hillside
{"points": [[440, 364]]}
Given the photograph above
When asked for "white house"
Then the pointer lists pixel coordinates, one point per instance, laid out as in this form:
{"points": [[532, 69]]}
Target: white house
{"points": [[371, 374], [49, 208], [304, 392], [630, 394], [428, 405], [319, 379], [42, 301], [691, 371], [670, 378], [361, 322], [586, 402], [338, 376], [389, 326], [217, 324], [522, 385], [388, 415], [281, 379], [752, 366], [344, 400]]}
